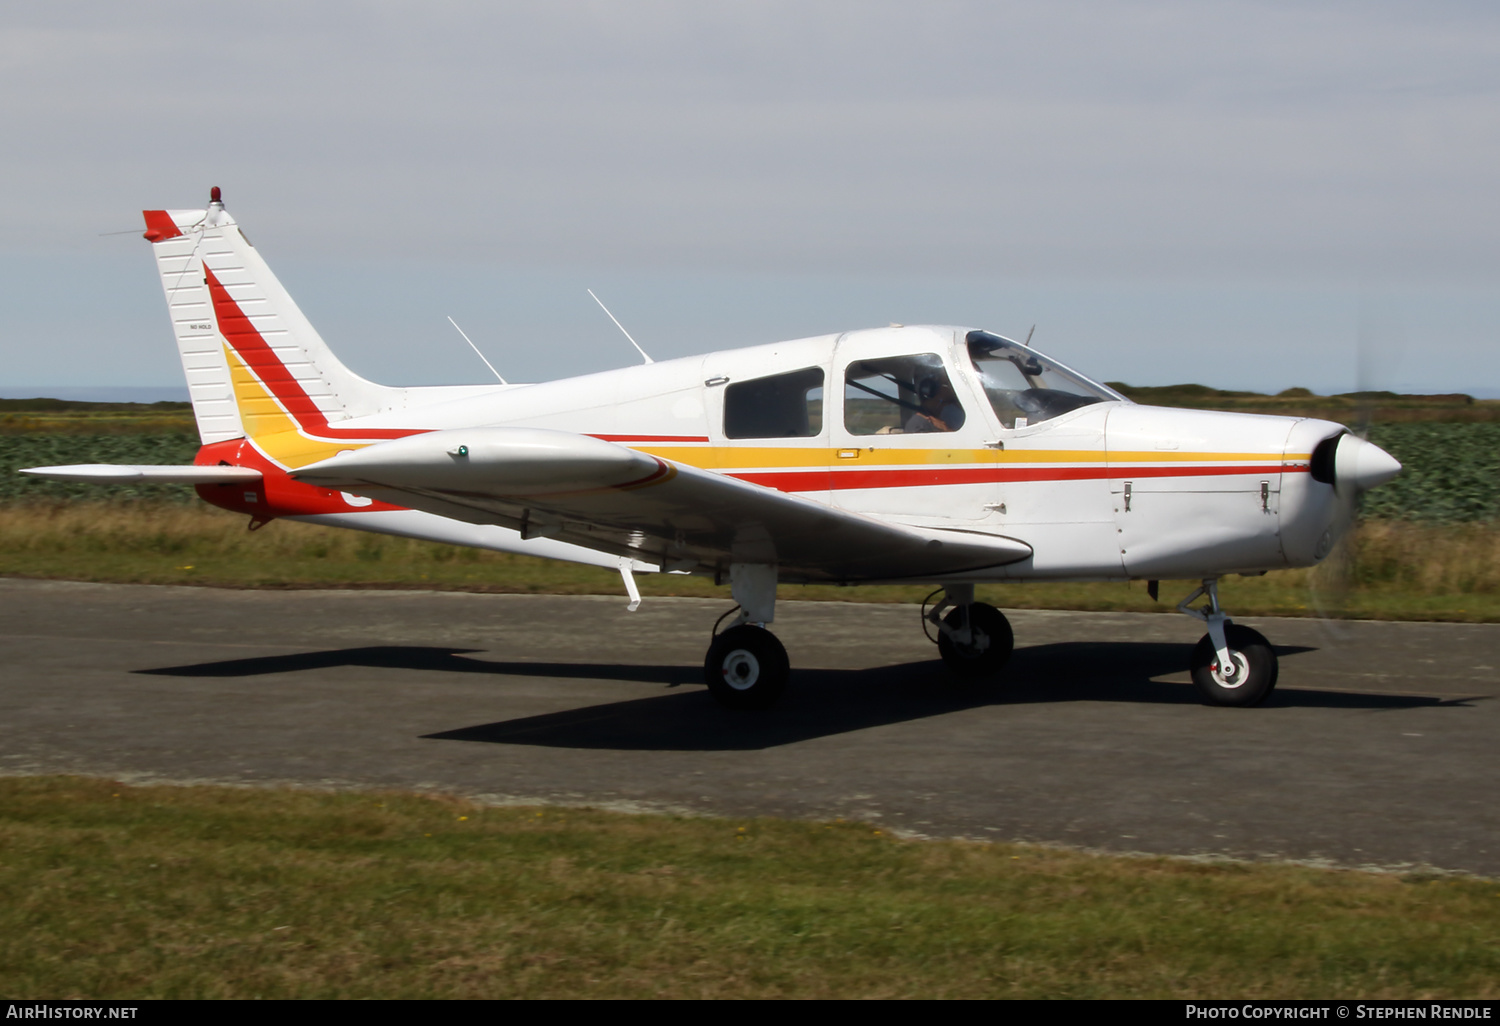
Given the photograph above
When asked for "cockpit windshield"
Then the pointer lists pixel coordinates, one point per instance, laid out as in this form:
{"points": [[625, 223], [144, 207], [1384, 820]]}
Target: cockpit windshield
{"points": [[1026, 387]]}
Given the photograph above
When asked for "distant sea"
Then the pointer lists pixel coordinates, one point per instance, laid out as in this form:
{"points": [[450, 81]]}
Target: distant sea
{"points": [[98, 393]]}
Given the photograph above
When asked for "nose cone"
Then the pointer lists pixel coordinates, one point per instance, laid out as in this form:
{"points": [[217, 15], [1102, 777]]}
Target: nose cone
{"points": [[1362, 465]]}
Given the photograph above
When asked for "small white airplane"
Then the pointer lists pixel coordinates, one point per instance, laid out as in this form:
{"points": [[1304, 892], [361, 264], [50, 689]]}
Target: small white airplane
{"points": [[900, 454]]}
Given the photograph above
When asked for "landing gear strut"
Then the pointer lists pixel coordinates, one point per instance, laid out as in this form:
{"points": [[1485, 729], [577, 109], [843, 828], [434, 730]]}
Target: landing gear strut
{"points": [[1232, 665], [746, 666], [974, 639]]}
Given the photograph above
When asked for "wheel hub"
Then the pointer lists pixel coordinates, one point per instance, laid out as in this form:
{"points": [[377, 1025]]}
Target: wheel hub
{"points": [[979, 644], [741, 669], [1235, 674]]}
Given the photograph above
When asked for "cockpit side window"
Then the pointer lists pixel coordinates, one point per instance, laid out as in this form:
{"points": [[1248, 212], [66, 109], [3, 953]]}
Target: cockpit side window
{"points": [[1026, 387], [780, 406], [900, 395]]}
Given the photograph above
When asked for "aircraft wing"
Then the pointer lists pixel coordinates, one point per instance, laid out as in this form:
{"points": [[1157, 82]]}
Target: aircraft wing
{"points": [[614, 499]]}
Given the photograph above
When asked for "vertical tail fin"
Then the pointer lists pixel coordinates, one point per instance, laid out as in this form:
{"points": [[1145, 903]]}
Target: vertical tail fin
{"points": [[254, 364]]}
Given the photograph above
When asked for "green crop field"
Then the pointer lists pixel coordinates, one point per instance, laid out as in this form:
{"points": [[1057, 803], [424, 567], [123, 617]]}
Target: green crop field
{"points": [[40, 450], [1451, 473]]}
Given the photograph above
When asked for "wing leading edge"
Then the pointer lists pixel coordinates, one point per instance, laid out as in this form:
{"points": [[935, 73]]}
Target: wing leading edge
{"points": [[613, 499]]}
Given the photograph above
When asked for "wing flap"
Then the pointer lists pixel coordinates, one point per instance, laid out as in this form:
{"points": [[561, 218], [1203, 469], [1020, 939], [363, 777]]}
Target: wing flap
{"points": [[614, 499]]}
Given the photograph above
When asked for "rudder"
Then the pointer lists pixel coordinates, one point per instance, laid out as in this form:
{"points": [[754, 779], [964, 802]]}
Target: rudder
{"points": [[251, 358]]}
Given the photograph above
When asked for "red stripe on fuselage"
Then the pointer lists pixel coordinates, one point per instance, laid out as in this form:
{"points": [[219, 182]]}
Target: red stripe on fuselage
{"points": [[252, 348], [919, 477]]}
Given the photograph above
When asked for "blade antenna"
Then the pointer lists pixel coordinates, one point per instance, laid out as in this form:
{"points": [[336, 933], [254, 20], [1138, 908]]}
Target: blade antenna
{"points": [[477, 353], [620, 326]]}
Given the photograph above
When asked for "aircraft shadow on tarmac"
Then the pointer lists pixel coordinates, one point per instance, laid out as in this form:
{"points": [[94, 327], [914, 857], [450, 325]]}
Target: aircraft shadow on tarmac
{"points": [[415, 657], [819, 703]]}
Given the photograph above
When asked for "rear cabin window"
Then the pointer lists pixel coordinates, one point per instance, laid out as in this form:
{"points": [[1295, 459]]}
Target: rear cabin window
{"points": [[900, 395], [781, 406]]}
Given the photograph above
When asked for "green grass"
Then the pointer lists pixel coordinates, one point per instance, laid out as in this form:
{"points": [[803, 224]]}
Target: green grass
{"points": [[109, 891]]}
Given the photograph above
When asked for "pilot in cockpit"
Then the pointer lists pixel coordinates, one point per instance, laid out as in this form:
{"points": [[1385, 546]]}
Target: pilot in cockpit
{"points": [[940, 410]]}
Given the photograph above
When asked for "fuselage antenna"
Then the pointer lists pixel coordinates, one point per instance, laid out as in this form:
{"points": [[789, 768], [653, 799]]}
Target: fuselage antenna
{"points": [[620, 326], [477, 353], [1027, 343]]}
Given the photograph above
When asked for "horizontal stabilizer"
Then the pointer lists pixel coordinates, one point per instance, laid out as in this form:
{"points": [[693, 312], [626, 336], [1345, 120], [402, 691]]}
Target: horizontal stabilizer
{"points": [[116, 473]]}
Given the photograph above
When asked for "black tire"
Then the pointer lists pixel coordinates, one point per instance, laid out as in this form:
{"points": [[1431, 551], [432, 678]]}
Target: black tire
{"points": [[1252, 652], [993, 642], [746, 668]]}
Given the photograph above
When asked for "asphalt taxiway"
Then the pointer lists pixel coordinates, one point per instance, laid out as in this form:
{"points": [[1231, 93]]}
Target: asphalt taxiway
{"points": [[1380, 746]]}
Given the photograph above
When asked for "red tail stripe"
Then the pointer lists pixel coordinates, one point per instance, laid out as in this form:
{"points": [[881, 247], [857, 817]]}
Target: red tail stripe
{"points": [[159, 225], [251, 347]]}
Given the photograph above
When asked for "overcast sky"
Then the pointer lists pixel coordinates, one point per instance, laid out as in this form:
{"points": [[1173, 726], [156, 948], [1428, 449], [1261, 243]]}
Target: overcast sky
{"points": [[1169, 191]]}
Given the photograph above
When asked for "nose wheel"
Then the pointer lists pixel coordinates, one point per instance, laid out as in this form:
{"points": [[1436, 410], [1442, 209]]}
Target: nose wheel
{"points": [[1232, 665], [1249, 676]]}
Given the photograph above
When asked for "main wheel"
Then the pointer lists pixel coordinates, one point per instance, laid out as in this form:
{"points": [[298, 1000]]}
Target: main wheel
{"points": [[991, 644], [1255, 673], [746, 668]]}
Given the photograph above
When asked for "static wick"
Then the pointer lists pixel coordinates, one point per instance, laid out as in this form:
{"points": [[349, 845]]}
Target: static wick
{"points": [[477, 353], [621, 327]]}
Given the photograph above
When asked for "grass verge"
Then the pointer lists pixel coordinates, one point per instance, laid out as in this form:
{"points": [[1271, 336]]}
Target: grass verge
{"points": [[110, 891], [1402, 571]]}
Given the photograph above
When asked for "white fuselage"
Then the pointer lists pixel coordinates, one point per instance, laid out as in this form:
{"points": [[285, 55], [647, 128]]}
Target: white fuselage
{"points": [[1111, 490]]}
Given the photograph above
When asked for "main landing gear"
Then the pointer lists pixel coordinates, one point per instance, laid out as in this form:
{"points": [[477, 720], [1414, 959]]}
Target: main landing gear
{"points": [[974, 639], [1232, 665], [746, 666]]}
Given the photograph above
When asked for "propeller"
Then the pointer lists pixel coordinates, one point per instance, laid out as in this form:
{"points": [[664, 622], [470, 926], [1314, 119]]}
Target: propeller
{"points": [[1350, 462]]}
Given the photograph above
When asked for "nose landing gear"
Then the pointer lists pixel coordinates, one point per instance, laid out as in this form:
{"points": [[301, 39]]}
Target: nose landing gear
{"points": [[1231, 665]]}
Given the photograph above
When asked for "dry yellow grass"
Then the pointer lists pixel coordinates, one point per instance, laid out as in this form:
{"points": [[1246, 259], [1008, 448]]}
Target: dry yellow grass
{"points": [[1397, 570]]}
